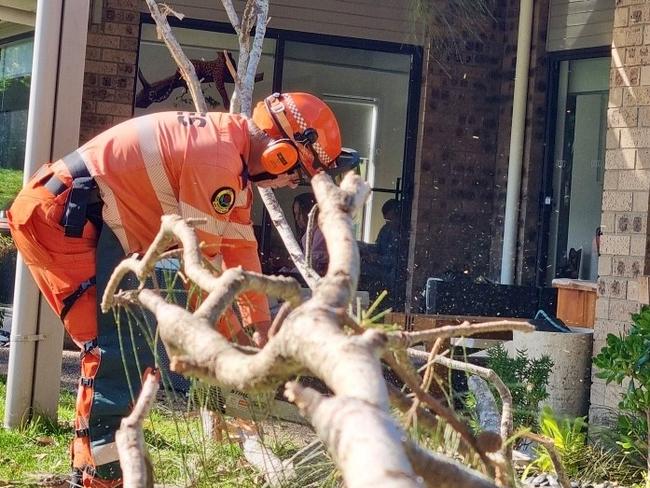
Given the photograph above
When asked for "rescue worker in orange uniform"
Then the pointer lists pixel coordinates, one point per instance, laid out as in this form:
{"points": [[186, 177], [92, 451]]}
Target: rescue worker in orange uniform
{"points": [[80, 216]]}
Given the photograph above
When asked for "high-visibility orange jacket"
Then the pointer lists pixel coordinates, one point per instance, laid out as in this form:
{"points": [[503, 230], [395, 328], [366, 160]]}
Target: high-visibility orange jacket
{"points": [[184, 163]]}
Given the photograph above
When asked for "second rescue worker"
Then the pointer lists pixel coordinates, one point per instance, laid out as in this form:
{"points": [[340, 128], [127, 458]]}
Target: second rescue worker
{"points": [[81, 215]]}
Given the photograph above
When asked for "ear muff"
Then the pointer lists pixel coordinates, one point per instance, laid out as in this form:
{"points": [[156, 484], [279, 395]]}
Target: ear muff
{"points": [[279, 156]]}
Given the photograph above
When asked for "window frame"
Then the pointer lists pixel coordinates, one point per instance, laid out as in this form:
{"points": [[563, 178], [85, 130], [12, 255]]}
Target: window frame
{"points": [[554, 59]]}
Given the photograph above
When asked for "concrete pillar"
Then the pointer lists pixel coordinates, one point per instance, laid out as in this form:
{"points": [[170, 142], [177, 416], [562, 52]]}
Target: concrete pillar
{"points": [[626, 190], [53, 130]]}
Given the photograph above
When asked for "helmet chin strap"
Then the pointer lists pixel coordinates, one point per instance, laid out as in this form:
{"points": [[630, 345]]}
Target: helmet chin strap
{"points": [[262, 177], [304, 142]]}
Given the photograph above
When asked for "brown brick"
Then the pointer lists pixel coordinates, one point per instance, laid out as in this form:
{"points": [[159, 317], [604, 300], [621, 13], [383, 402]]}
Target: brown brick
{"points": [[118, 109], [628, 36], [645, 75], [637, 55], [644, 116], [93, 53], [616, 245], [631, 223], [621, 17], [633, 290], [610, 180], [101, 40], [125, 69], [129, 44], [101, 94], [635, 138], [628, 267], [116, 56], [625, 76], [617, 200], [613, 138], [121, 16], [95, 120], [638, 245], [622, 309], [637, 14], [602, 308], [125, 4], [126, 30], [612, 287], [107, 81], [90, 79], [634, 179], [101, 68], [88, 106], [615, 97], [620, 159], [640, 201], [622, 117]]}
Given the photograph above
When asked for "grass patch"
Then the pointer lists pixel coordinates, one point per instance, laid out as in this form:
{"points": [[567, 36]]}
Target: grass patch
{"points": [[179, 451], [42, 447], [11, 181]]}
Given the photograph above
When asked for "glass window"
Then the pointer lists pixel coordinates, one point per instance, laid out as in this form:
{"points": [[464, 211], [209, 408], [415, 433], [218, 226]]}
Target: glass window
{"points": [[368, 91], [15, 75], [157, 69], [581, 124]]}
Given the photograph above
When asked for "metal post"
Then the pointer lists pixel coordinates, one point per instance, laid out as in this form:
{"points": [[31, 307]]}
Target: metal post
{"points": [[517, 134]]}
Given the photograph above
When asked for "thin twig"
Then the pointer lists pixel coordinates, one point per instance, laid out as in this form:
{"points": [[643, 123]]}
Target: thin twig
{"points": [[549, 445], [412, 381], [184, 64], [502, 389], [407, 339], [309, 235]]}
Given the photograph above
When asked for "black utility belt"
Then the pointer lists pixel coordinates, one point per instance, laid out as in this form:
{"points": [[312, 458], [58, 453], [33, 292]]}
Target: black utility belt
{"points": [[83, 203]]}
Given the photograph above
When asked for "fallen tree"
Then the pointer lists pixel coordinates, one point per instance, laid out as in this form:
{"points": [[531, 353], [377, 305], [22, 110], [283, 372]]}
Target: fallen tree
{"points": [[316, 336], [354, 423]]}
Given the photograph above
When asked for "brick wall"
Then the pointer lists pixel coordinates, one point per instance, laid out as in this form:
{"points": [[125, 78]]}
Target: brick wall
{"points": [[626, 186], [461, 181], [110, 67]]}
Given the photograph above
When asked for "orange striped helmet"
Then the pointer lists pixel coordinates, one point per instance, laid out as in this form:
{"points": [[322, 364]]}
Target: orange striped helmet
{"points": [[304, 129]]}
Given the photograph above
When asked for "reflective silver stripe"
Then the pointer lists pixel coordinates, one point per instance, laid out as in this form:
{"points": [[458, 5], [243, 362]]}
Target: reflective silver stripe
{"points": [[153, 163], [293, 108], [242, 198], [228, 230], [105, 453], [111, 215]]}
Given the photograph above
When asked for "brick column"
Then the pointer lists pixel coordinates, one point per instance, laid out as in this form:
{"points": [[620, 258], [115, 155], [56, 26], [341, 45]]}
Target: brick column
{"points": [[626, 192], [111, 56]]}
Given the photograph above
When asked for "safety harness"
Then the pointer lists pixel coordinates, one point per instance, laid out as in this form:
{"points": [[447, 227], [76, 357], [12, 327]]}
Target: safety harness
{"points": [[82, 204]]}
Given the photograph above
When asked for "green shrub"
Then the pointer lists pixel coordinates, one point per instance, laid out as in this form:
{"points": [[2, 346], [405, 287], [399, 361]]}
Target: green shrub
{"points": [[625, 360], [527, 380], [570, 439]]}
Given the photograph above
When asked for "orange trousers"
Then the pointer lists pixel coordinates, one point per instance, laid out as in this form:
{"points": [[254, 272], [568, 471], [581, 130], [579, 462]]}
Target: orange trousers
{"points": [[59, 265]]}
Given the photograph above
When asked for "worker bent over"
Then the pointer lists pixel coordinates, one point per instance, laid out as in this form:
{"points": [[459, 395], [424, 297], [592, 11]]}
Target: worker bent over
{"points": [[79, 216]]}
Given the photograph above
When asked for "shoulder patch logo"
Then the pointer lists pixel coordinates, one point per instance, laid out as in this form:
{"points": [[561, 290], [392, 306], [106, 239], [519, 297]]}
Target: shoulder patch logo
{"points": [[223, 200]]}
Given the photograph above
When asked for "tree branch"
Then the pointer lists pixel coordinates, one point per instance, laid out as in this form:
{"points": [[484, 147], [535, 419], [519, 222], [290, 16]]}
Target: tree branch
{"points": [[136, 467], [408, 339], [185, 66]]}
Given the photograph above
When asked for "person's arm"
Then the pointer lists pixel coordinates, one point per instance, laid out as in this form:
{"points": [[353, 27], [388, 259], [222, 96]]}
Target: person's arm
{"points": [[253, 306]]}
